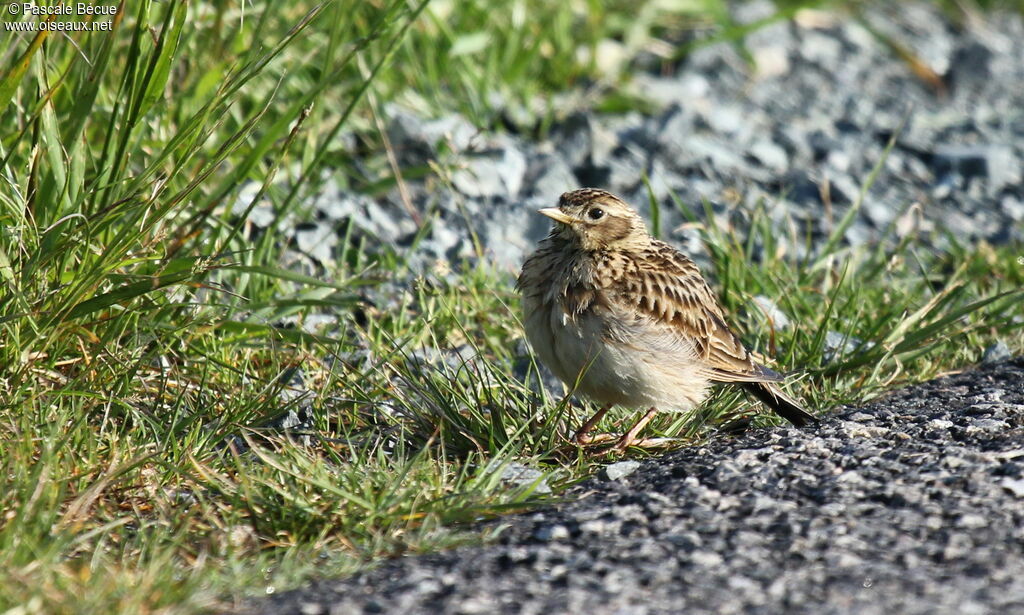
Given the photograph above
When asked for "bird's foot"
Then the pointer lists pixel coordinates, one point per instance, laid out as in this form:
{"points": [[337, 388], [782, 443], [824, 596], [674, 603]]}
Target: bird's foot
{"points": [[583, 437], [630, 437], [646, 444], [586, 439]]}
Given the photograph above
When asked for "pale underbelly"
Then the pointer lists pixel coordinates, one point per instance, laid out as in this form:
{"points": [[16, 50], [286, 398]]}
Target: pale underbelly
{"points": [[612, 373]]}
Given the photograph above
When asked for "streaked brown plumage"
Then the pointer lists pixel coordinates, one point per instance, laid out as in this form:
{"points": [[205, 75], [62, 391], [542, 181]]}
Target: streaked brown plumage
{"points": [[628, 320]]}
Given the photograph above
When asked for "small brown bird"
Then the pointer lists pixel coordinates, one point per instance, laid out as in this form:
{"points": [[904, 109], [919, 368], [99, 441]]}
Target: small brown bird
{"points": [[628, 320]]}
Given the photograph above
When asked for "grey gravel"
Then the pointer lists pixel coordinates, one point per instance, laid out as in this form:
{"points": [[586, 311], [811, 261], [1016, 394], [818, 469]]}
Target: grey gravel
{"points": [[800, 129], [491, 173], [416, 137], [996, 352], [548, 176], [619, 469], [838, 345], [317, 240], [772, 312], [910, 504], [996, 163], [262, 213], [519, 475]]}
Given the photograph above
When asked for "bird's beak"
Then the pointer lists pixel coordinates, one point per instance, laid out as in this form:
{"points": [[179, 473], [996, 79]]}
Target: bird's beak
{"points": [[555, 214]]}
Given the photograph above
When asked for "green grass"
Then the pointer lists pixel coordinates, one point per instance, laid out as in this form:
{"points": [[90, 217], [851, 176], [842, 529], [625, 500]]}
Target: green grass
{"points": [[139, 346]]}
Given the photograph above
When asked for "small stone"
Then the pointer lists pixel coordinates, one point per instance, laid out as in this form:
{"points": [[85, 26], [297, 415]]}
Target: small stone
{"points": [[262, 214], [847, 560], [858, 430], [954, 461], [596, 527], [971, 521], [994, 163], [608, 56], [525, 476], [551, 533], [771, 61], [512, 232], [297, 418], [727, 119], [475, 606], [443, 239], [770, 155], [775, 315], [1013, 207], [337, 204], [697, 148], [970, 64], [665, 91], [820, 48], [707, 559], [386, 224], [851, 476], [620, 470], [548, 176], [318, 323], [1014, 485], [574, 139], [491, 173], [996, 353], [317, 240], [879, 212], [986, 426], [416, 138], [838, 345]]}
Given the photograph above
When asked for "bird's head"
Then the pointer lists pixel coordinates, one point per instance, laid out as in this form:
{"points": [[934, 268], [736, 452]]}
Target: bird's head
{"points": [[597, 220]]}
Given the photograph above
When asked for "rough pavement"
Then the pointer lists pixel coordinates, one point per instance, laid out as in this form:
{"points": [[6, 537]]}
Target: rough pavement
{"points": [[911, 504]]}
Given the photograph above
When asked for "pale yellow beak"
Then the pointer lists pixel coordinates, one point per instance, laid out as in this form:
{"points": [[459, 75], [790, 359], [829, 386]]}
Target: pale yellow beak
{"points": [[555, 214]]}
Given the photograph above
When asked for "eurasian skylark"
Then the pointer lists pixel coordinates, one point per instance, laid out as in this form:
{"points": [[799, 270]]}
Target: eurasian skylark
{"points": [[628, 320]]}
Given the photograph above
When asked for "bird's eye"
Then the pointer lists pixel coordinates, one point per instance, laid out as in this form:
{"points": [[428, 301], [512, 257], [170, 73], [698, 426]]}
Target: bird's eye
{"points": [[595, 213]]}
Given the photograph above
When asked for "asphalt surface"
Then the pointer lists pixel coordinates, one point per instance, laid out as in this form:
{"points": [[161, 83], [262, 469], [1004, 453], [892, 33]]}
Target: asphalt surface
{"points": [[911, 504]]}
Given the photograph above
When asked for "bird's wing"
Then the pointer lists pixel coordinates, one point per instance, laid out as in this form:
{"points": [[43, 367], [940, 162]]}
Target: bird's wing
{"points": [[664, 305]]}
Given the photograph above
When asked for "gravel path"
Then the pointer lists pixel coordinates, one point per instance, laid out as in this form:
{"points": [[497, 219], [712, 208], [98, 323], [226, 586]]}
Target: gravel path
{"points": [[912, 504]]}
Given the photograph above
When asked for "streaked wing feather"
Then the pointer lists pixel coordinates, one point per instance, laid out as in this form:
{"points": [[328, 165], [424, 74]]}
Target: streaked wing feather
{"points": [[674, 307]]}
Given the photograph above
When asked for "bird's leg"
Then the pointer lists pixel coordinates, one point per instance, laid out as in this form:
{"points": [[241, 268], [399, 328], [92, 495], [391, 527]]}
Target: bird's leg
{"points": [[582, 437], [629, 437]]}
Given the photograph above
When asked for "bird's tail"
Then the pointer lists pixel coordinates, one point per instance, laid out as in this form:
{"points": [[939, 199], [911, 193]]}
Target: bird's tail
{"points": [[783, 405]]}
